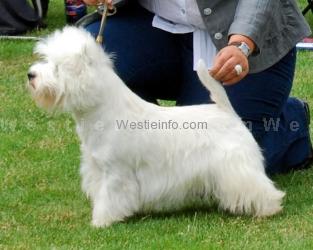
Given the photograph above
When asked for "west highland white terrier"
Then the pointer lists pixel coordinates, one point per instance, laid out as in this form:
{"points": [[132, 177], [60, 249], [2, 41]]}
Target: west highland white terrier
{"points": [[138, 157]]}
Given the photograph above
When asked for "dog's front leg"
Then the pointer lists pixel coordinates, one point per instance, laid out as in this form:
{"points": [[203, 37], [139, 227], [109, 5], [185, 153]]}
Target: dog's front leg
{"points": [[116, 199]]}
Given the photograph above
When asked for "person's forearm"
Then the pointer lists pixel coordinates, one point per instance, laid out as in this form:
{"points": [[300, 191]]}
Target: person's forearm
{"points": [[250, 20]]}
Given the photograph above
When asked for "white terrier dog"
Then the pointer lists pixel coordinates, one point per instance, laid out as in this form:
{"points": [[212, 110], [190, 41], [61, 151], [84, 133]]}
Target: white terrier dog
{"points": [[130, 162]]}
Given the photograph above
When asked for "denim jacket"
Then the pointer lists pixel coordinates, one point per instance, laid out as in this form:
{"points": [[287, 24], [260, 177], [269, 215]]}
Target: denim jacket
{"points": [[274, 25]]}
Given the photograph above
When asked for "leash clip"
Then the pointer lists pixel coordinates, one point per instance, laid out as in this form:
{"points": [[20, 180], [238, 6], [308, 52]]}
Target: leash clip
{"points": [[105, 12]]}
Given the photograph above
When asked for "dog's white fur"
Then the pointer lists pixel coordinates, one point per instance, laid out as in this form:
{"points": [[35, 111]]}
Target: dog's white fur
{"points": [[126, 171]]}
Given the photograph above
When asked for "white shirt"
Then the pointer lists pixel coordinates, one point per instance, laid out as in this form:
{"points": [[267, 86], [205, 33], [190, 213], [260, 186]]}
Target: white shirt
{"points": [[183, 16]]}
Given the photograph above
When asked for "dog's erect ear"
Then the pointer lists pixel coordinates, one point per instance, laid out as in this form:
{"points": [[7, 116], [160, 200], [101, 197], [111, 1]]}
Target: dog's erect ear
{"points": [[77, 63], [89, 55], [82, 60], [71, 47]]}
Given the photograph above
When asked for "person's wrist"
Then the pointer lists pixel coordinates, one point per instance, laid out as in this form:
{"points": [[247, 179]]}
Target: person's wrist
{"points": [[236, 39], [243, 47]]}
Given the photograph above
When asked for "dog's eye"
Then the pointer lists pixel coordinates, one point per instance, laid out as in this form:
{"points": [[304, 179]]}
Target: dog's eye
{"points": [[56, 70], [43, 61]]}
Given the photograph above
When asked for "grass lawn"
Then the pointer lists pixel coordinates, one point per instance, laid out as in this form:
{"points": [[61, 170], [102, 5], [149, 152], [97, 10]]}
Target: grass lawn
{"points": [[42, 206]]}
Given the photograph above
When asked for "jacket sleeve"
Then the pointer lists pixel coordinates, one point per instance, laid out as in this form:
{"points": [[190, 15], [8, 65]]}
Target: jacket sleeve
{"points": [[252, 18]]}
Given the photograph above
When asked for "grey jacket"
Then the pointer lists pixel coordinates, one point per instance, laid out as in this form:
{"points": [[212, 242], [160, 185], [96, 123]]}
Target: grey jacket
{"points": [[274, 25]]}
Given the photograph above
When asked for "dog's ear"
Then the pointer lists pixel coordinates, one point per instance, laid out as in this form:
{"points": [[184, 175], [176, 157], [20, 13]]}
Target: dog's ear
{"points": [[82, 61], [88, 54], [75, 65]]}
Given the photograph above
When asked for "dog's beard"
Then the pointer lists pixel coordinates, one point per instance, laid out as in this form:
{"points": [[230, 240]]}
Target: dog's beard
{"points": [[45, 97]]}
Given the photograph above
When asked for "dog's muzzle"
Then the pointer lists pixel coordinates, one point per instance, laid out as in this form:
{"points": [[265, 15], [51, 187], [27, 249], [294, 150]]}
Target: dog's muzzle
{"points": [[31, 78]]}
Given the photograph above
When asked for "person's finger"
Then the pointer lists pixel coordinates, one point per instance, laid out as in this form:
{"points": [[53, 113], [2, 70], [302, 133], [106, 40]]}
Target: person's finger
{"points": [[233, 74], [109, 3], [219, 61], [90, 2], [234, 80], [229, 78], [227, 70], [96, 2]]}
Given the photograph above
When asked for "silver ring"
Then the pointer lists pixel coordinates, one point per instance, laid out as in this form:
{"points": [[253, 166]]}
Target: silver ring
{"points": [[238, 69]]}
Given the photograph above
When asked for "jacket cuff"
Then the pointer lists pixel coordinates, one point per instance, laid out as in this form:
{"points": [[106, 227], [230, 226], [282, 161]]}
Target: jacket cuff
{"points": [[248, 30]]}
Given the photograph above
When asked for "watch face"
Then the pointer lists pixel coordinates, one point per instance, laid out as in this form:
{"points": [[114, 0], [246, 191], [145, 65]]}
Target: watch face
{"points": [[244, 48]]}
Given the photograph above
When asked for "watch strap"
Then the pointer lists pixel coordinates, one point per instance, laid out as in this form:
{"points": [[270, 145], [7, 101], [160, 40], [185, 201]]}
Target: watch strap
{"points": [[244, 48]]}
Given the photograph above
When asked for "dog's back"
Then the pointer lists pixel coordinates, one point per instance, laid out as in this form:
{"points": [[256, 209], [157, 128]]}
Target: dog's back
{"points": [[217, 92]]}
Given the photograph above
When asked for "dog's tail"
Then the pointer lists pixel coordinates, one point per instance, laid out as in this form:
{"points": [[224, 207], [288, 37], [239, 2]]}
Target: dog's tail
{"points": [[217, 92]]}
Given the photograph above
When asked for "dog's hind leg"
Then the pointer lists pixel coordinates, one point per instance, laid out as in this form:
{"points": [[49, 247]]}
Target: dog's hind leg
{"points": [[242, 188], [116, 199]]}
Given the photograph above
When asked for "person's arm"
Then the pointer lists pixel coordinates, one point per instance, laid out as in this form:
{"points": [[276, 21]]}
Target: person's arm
{"points": [[251, 19]]}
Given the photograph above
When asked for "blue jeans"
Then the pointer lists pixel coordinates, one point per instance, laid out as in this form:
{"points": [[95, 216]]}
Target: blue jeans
{"points": [[159, 65]]}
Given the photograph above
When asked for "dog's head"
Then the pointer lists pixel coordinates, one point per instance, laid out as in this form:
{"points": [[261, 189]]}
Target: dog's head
{"points": [[67, 75]]}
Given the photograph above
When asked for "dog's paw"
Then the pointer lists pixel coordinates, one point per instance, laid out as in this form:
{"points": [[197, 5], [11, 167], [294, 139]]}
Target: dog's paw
{"points": [[271, 205], [102, 220], [100, 223]]}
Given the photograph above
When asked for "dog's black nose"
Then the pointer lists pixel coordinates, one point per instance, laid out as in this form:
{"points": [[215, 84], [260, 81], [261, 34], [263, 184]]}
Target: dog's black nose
{"points": [[31, 75]]}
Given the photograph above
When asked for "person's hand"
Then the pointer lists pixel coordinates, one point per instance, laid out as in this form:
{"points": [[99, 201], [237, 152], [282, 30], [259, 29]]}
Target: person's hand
{"points": [[223, 69], [95, 2]]}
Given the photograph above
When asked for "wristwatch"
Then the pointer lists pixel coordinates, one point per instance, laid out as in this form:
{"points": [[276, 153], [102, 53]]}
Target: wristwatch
{"points": [[244, 48]]}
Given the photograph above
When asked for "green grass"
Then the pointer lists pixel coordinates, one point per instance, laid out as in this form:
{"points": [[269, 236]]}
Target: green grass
{"points": [[42, 206]]}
